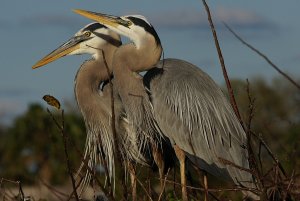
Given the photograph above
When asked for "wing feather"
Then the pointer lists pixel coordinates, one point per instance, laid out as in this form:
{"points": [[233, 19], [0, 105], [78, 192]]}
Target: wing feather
{"points": [[192, 111]]}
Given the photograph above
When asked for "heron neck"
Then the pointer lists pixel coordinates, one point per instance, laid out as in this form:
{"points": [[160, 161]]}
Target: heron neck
{"points": [[90, 75], [137, 59], [129, 85], [95, 106], [129, 59]]}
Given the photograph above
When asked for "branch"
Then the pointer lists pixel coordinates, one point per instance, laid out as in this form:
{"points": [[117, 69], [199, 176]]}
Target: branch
{"points": [[227, 162], [55, 192], [84, 160], [164, 185], [221, 59], [21, 192], [270, 153], [215, 189], [251, 156], [113, 125], [263, 56], [65, 139], [144, 189]]}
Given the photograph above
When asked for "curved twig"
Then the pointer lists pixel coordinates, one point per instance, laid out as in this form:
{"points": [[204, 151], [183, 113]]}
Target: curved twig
{"points": [[221, 59], [263, 56]]}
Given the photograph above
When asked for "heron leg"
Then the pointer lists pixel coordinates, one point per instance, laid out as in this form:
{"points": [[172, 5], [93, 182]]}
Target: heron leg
{"points": [[181, 157], [158, 158], [132, 173], [205, 186]]}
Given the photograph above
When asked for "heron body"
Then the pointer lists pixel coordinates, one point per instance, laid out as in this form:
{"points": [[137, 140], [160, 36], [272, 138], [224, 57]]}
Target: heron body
{"points": [[192, 111], [135, 100], [185, 105], [93, 96]]}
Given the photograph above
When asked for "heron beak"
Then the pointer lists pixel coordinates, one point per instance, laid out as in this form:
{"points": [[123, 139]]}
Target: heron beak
{"points": [[104, 19], [68, 47]]}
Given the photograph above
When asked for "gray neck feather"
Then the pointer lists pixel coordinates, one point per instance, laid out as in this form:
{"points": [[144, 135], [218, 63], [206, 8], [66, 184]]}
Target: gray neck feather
{"points": [[95, 107], [130, 87]]}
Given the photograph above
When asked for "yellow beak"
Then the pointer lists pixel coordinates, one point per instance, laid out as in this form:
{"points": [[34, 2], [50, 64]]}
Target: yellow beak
{"points": [[104, 19], [68, 47]]}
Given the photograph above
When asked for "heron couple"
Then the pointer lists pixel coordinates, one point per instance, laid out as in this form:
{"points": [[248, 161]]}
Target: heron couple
{"points": [[174, 114]]}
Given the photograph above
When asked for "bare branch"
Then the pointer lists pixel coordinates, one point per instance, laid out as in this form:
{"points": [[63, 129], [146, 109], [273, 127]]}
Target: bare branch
{"points": [[164, 185], [202, 189], [227, 162], [263, 56], [21, 194], [65, 140], [221, 59], [85, 163], [21, 190], [251, 156], [270, 153], [113, 125], [55, 192], [144, 189]]}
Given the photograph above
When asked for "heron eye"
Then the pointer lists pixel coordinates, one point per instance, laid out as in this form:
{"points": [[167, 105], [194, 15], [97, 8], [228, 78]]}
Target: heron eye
{"points": [[87, 34], [127, 23]]}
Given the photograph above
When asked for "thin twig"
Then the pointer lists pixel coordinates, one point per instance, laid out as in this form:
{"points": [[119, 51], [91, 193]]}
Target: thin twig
{"points": [[65, 140], [74, 191], [291, 181], [227, 162], [145, 190], [113, 125], [251, 156], [55, 192], [194, 152], [259, 154], [215, 190], [21, 192], [250, 107], [270, 153], [202, 186], [164, 185], [221, 59], [263, 56], [111, 197], [2, 190]]}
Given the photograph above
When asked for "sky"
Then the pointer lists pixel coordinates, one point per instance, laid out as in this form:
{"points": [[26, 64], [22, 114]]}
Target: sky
{"points": [[33, 28]]}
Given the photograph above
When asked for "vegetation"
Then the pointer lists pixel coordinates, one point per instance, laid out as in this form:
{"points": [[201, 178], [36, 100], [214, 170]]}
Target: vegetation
{"points": [[276, 115], [32, 149]]}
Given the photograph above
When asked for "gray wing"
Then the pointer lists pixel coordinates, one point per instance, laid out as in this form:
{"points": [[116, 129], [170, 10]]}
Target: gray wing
{"points": [[194, 114]]}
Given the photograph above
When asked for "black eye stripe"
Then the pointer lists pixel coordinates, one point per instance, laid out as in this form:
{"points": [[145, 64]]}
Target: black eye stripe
{"points": [[148, 27], [93, 27]]}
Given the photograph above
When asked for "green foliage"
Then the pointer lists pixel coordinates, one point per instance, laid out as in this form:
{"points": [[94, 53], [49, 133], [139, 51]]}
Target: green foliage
{"points": [[276, 115], [33, 146]]}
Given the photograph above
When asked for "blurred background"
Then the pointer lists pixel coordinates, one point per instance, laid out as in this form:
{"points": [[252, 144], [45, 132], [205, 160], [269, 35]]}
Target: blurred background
{"points": [[30, 145]]}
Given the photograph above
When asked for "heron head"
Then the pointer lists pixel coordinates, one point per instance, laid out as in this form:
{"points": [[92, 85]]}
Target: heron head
{"points": [[91, 39], [136, 27]]}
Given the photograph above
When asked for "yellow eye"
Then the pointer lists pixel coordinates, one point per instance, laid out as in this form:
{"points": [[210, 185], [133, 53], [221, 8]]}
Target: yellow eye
{"points": [[129, 23], [87, 34], [126, 23]]}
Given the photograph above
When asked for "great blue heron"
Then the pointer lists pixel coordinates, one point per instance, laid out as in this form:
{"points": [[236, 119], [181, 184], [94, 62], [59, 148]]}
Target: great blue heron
{"points": [[95, 105], [182, 102]]}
